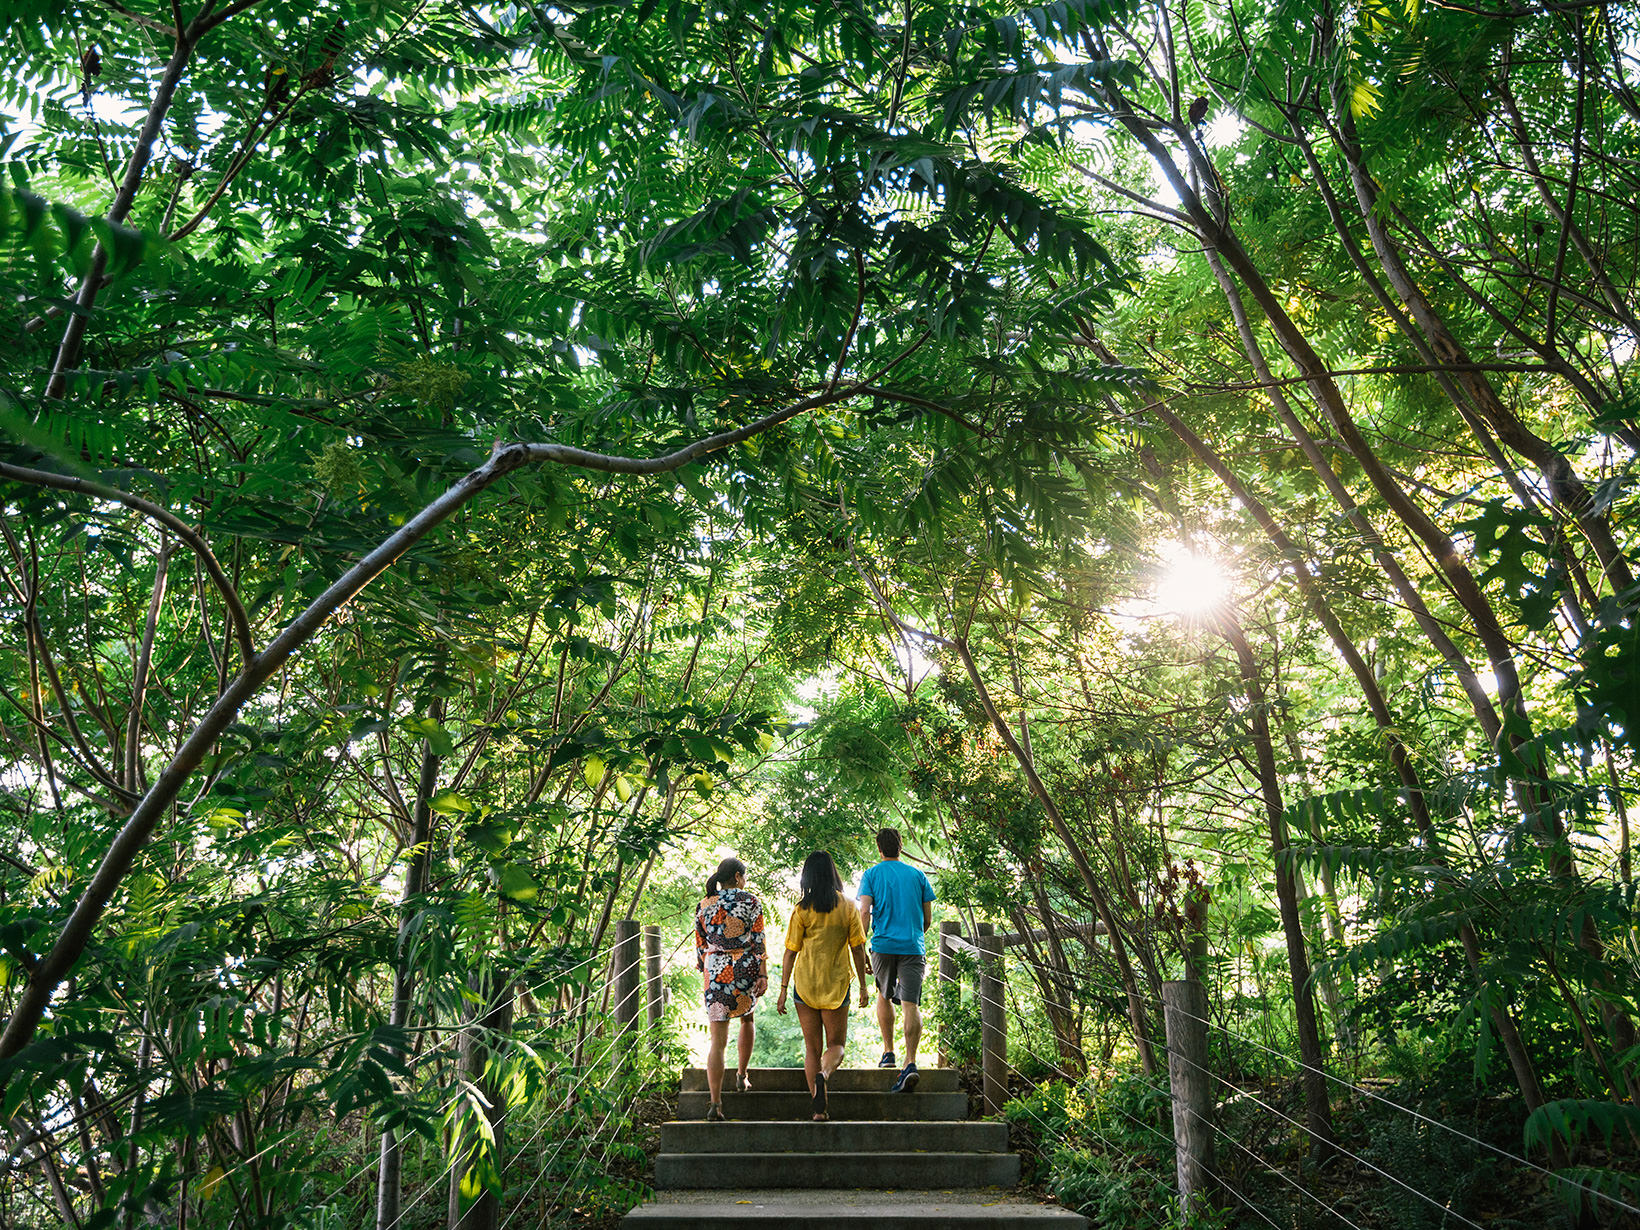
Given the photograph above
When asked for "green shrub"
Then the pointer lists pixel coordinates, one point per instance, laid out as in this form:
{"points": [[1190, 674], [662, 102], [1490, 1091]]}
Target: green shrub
{"points": [[957, 1021], [1105, 1149]]}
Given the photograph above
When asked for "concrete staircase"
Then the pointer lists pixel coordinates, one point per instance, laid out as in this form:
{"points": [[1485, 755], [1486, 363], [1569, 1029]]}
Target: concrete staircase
{"points": [[882, 1159]]}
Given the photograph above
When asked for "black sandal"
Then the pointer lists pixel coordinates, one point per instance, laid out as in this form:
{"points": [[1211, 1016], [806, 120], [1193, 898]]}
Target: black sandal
{"points": [[714, 1113], [817, 1102], [743, 1082]]}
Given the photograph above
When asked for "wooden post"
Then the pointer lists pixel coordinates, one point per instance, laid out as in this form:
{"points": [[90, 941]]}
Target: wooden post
{"points": [[993, 1025], [653, 998], [948, 955], [1184, 1017], [948, 970], [626, 961]]}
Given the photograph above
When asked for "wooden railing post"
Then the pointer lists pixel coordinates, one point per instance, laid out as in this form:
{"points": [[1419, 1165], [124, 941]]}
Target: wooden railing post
{"points": [[948, 954], [1184, 1017], [653, 996], [626, 963], [948, 970], [993, 1025]]}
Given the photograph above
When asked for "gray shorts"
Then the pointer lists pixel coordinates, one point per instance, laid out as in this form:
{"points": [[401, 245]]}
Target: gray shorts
{"points": [[899, 975]]}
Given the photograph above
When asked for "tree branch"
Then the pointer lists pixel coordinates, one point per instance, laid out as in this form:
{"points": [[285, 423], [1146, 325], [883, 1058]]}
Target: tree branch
{"points": [[54, 968], [179, 527], [68, 350]]}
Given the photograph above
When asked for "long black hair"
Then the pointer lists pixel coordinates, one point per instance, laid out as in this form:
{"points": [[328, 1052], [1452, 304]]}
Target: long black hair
{"points": [[822, 886], [724, 876]]}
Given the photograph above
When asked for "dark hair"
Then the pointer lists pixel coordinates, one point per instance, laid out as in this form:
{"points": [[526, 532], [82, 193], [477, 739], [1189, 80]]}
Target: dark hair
{"points": [[888, 841], [822, 886], [724, 876]]}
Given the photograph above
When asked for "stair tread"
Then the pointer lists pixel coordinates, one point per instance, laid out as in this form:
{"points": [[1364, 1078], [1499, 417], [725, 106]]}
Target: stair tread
{"points": [[839, 1170], [862, 1080], [833, 1136], [885, 1154], [794, 1105], [854, 1207], [956, 1196], [942, 1186]]}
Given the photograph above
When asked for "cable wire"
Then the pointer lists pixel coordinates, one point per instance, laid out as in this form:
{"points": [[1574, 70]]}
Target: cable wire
{"points": [[1361, 1089]]}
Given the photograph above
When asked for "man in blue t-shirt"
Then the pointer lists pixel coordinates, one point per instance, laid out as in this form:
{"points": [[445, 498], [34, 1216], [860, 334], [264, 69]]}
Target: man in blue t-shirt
{"points": [[896, 907]]}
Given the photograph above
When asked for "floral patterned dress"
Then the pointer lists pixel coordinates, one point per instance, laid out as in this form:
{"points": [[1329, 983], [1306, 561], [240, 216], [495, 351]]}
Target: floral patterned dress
{"points": [[729, 951]]}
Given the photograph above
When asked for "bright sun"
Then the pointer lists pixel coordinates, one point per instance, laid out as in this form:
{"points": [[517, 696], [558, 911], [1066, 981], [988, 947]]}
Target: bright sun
{"points": [[1191, 585]]}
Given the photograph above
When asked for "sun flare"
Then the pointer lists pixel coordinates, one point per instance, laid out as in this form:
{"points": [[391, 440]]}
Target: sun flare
{"points": [[1191, 584]]}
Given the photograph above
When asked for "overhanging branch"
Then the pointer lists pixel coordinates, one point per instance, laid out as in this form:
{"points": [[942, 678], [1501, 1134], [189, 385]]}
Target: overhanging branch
{"points": [[179, 527], [55, 967]]}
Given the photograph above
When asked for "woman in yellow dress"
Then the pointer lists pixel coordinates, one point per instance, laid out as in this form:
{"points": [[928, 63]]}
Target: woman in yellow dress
{"points": [[824, 933]]}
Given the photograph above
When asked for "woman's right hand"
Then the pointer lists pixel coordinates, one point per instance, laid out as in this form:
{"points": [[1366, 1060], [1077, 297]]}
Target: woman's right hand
{"points": [[780, 1004]]}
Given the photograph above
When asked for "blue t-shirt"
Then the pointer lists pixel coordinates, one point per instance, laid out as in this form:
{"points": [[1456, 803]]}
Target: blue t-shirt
{"points": [[897, 894]]}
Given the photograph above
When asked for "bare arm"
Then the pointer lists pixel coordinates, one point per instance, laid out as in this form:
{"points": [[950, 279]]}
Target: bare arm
{"points": [[788, 964], [859, 954], [928, 915], [865, 914]]}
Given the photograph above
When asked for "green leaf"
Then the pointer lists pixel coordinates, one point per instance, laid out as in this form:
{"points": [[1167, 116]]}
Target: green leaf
{"points": [[438, 738], [449, 802], [514, 881]]}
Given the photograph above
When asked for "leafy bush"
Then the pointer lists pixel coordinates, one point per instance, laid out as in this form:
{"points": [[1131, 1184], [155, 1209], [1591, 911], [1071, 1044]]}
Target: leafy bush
{"points": [[957, 1021], [1101, 1147], [1449, 1170], [1110, 1189]]}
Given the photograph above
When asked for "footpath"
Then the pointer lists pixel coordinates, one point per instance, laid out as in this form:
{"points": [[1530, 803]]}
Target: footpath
{"points": [[883, 1159]]}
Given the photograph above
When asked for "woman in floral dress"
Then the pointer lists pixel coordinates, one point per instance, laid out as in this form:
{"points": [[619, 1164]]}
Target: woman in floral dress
{"points": [[729, 953]]}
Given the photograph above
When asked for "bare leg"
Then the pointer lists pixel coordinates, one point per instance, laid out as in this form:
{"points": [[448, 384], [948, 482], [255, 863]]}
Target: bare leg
{"points": [[748, 1035], [913, 1031], [718, 1034], [809, 1019], [885, 1020], [836, 1021]]}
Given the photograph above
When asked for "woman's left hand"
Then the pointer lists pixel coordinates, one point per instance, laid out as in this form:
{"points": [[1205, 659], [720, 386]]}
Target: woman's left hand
{"points": [[760, 988]]}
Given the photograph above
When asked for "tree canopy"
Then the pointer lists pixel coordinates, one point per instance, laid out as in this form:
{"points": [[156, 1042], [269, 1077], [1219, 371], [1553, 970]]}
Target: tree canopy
{"points": [[466, 465]]}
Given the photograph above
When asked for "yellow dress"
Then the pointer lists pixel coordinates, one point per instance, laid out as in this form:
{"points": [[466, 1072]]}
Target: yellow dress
{"points": [[822, 943]]}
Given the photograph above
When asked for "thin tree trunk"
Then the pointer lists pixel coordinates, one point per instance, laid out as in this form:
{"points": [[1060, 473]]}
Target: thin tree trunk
{"points": [[85, 298], [1565, 487], [1520, 1060], [1620, 307], [492, 1020], [1137, 1016], [1317, 1106], [1434, 631], [1070, 1040], [1329, 397], [1055, 1002], [389, 1185]]}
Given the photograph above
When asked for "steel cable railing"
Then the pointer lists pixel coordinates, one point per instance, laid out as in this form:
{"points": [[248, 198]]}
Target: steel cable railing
{"points": [[1298, 1063], [1446, 1211], [1222, 1183]]}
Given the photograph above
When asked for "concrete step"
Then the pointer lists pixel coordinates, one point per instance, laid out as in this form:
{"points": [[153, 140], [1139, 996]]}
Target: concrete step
{"points": [[840, 1210], [746, 1137], [844, 1080], [833, 1170], [795, 1105]]}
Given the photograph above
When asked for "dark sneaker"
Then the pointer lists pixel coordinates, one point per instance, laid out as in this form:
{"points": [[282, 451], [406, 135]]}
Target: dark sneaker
{"points": [[887, 1061], [908, 1080]]}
